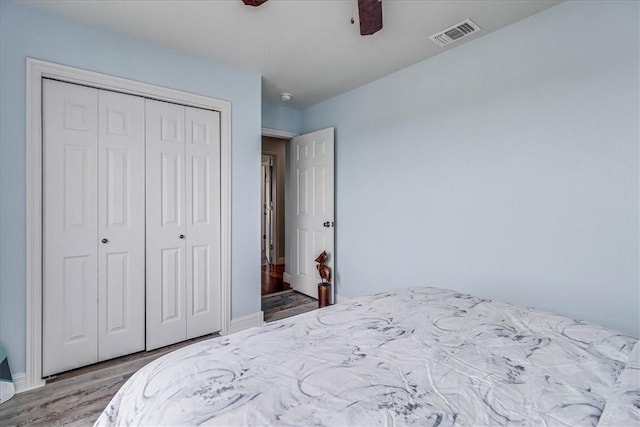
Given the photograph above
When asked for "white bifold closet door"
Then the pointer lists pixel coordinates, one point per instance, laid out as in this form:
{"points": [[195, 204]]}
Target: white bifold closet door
{"points": [[93, 226], [183, 222], [121, 272]]}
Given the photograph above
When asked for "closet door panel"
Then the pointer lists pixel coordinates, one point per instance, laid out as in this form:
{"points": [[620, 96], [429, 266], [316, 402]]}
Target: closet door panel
{"points": [[121, 247], [203, 221], [165, 222], [69, 226]]}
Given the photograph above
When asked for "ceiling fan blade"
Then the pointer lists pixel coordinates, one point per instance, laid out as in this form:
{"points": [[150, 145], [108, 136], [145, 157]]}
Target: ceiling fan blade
{"points": [[253, 2], [370, 13]]}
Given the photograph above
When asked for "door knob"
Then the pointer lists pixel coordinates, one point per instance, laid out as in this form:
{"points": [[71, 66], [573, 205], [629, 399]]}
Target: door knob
{"points": [[328, 224], [181, 236], [105, 240]]}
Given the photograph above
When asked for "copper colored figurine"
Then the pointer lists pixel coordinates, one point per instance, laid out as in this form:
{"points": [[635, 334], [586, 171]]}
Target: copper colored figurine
{"points": [[323, 268]]}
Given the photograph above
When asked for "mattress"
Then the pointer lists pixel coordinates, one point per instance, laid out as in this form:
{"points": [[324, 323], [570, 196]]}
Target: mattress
{"points": [[416, 356]]}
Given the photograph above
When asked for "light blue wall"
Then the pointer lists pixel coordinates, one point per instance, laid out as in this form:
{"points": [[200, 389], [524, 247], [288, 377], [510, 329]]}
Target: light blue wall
{"points": [[29, 33], [281, 118], [506, 167]]}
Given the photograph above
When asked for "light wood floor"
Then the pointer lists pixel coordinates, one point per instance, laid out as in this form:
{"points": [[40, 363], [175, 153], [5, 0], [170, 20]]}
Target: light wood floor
{"points": [[77, 398]]}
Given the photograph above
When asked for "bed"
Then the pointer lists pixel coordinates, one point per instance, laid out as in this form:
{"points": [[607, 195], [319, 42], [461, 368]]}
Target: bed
{"points": [[417, 356]]}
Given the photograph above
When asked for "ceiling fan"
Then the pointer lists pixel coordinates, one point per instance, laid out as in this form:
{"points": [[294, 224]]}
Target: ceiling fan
{"points": [[369, 11]]}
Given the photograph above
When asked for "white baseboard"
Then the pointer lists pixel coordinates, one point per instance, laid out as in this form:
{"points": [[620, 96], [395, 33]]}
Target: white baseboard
{"points": [[20, 381], [286, 277], [281, 260], [246, 322]]}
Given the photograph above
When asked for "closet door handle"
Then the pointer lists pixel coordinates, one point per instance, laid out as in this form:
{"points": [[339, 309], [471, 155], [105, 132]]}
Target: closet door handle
{"points": [[181, 236], [105, 240]]}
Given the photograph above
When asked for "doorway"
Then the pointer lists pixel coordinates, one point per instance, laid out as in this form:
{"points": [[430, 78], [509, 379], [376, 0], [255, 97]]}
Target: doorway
{"points": [[279, 300], [272, 224], [300, 169]]}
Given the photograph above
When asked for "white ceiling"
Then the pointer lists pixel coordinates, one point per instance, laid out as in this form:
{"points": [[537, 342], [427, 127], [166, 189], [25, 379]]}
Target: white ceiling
{"points": [[306, 47]]}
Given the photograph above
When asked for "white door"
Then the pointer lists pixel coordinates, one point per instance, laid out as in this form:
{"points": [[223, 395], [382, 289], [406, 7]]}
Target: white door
{"points": [[202, 221], [70, 226], [97, 257], [183, 223], [121, 217], [312, 213], [166, 258]]}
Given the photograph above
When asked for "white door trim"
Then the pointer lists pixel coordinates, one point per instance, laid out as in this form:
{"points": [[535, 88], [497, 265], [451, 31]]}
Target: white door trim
{"points": [[275, 133], [36, 71]]}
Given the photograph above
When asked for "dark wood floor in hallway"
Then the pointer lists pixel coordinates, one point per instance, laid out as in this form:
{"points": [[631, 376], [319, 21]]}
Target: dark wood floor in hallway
{"points": [[272, 280]]}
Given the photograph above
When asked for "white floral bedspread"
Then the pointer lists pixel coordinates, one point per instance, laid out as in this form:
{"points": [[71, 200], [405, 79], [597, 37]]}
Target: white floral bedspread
{"points": [[623, 403], [421, 356]]}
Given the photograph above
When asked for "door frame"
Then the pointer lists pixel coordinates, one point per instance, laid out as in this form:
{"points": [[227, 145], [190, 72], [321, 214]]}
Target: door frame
{"points": [[276, 133], [286, 136], [36, 71]]}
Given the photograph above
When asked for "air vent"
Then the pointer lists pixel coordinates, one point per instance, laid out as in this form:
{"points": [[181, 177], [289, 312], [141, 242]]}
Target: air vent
{"points": [[455, 32]]}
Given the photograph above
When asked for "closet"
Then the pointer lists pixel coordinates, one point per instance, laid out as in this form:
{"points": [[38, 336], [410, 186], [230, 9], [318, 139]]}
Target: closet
{"points": [[131, 225]]}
